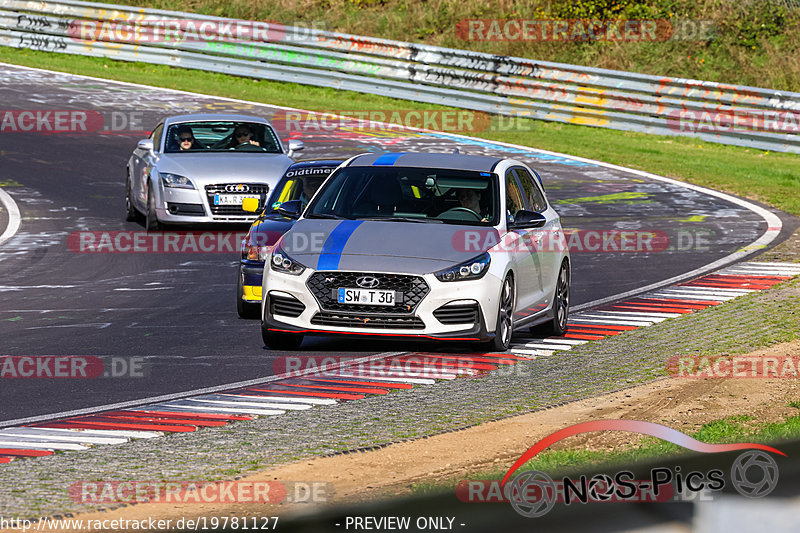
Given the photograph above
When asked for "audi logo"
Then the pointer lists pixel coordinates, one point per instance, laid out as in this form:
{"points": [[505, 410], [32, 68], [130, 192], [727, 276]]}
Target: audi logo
{"points": [[237, 188], [368, 282]]}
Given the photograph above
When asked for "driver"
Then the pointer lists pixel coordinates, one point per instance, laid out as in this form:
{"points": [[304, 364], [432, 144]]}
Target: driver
{"points": [[310, 186], [243, 134], [471, 199]]}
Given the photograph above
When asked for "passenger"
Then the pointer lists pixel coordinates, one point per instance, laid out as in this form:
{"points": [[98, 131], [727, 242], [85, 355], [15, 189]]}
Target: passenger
{"points": [[186, 139]]}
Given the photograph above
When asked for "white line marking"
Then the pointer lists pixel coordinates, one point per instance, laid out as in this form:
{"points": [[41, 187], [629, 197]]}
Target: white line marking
{"points": [[14, 218], [17, 434], [229, 410], [42, 445], [252, 402], [377, 379], [312, 401], [546, 346], [609, 322]]}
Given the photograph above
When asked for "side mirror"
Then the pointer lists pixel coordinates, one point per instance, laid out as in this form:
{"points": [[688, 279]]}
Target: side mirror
{"points": [[295, 146], [527, 219], [250, 205], [146, 145], [290, 209]]}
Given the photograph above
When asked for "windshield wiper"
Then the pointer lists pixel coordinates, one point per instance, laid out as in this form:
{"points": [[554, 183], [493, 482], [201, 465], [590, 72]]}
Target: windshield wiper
{"points": [[402, 219], [325, 215]]}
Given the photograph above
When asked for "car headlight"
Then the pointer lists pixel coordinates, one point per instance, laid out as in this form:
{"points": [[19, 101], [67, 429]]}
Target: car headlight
{"points": [[473, 269], [175, 180], [252, 252], [281, 262]]}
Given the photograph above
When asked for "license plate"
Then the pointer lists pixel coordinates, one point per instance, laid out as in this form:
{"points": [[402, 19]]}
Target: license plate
{"points": [[231, 199], [365, 296]]}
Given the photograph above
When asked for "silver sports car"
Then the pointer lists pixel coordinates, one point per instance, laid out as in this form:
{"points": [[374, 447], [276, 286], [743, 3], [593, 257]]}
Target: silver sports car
{"points": [[410, 245], [196, 169]]}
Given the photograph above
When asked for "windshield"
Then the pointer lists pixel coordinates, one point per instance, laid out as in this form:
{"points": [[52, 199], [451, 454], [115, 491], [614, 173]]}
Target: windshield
{"points": [[409, 194], [298, 184], [221, 136]]}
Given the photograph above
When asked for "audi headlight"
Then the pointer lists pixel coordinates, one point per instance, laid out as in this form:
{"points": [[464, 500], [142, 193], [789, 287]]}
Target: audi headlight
{"points": [[281, 262], [472, 269], [176, 181]]}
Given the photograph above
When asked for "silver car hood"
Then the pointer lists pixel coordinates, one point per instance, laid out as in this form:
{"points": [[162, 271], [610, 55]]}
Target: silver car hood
{"points": [[375, 246], [206, 168]]}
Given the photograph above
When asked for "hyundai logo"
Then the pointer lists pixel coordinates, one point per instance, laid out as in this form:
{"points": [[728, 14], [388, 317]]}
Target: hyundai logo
{"points": [[368, 282], [237, 188]]}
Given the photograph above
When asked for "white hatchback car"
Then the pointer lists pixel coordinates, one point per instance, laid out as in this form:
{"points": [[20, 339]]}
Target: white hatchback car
{"points": [[419, 245]]}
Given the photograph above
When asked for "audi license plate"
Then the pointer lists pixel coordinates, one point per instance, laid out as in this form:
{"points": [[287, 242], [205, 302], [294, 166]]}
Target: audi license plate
{"points": [[232, 199], [366, 296]]}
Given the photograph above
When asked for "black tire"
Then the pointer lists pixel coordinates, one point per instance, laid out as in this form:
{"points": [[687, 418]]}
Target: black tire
{"points": [[131, 213], [280, 341], [558, 325], [245, 309], [151, 222], [504, 328]]}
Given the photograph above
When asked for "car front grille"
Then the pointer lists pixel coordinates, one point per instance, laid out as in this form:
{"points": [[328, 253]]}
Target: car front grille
{"points": [[324, 287], [233, 210], [367, 321], [285, 306], [457, 314]]}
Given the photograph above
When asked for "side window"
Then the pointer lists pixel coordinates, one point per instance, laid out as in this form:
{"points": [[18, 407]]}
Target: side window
{"points": [[156, 136], [514, 201], [531, 188]]}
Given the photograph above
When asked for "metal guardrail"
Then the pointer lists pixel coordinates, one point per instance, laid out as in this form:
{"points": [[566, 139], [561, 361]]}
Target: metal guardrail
{"points": [[730, 114]]}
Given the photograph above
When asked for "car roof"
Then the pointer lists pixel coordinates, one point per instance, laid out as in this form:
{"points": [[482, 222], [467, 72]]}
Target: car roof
{"points": [[452, 161], [202, 117]]}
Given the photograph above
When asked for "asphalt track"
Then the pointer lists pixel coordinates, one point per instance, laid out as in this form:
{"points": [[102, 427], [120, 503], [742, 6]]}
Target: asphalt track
{"points": [[176, 311]]}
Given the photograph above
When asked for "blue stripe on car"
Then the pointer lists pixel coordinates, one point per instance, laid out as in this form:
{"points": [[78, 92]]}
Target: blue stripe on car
{"points": [[387, 159], [334, 245]]}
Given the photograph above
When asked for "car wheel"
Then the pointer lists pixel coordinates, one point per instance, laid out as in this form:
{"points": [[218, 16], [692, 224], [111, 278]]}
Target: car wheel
{"points": [[280, 341], [558, 325], [245, 309], [505, 317], [131, 213], [151, 220]]}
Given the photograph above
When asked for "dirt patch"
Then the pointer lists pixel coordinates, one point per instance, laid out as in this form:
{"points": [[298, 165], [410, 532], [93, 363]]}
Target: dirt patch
{"points": [[684, 404], [786, 252]]}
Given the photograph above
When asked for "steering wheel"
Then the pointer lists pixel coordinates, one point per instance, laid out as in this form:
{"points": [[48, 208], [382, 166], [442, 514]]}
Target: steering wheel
{"points": [[465, 210], [248, 145]]}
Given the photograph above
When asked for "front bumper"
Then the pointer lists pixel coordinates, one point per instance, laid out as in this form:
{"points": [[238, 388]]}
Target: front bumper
{"points": [[310, 314], [251, 274]]}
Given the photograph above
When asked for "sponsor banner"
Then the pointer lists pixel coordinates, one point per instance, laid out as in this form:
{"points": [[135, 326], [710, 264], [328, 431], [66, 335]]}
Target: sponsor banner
{"points": [[584, 30], [737, 366], [71, 367], [749, 120]]}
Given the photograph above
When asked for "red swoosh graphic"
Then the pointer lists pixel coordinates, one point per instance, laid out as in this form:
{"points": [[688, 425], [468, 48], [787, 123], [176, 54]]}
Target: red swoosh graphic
{"points": [[633, 426]]}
